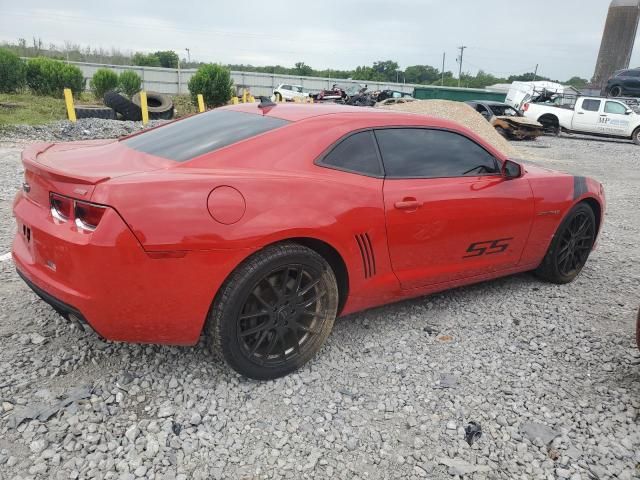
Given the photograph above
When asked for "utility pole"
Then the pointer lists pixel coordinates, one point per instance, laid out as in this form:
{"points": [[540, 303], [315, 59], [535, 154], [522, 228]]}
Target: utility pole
{"points": [[444, 55], [188, 55], [535, 74], [461, 48]]}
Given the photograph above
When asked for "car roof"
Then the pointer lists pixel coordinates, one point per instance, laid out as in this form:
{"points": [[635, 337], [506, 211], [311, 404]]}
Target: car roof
{"points": [[294, 112]]}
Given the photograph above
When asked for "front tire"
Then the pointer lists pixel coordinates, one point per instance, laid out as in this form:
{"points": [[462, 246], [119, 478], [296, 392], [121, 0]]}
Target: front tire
{"points": [[636, 136], [274, 312], [570, 247]]}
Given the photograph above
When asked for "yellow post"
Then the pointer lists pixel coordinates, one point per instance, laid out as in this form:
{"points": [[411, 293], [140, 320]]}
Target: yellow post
{"points": [[200, 103], [244, 96], [234, 100], [310, 99], [68, 99], [144, 107], [251, 99]]}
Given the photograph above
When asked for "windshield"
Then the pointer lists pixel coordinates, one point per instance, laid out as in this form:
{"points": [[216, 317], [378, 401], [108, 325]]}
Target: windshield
{"points": [[296, 88], [201, 133]]}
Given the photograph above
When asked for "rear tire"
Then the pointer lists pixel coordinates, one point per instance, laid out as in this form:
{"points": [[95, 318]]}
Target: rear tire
{"points": [[615, 91], [570, 246], [274, 312], [636, 136], [278, 97]]}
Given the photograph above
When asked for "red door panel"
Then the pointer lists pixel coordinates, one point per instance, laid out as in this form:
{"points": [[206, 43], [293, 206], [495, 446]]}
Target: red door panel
{"points": [[444, 229]]}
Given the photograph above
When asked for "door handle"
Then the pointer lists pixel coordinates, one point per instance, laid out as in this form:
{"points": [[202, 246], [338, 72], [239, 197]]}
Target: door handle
{"points": [[580, 113], [408, 203]]}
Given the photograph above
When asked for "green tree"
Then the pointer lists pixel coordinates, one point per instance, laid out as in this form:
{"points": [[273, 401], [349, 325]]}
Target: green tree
{"points": [[145, 60], [103, 81], [387, 69], [129, 82], [50, 77], [303, 70], [422, 74], [577, 82], [213, 82], [167, 58], [12, 72]]}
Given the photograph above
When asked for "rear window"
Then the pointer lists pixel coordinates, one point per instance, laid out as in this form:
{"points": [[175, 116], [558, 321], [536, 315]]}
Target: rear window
{"points": [[202, 133]]}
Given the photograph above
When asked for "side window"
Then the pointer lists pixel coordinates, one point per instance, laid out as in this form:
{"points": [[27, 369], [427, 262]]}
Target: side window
{"points": [[615, 107], [286, 87], [633, 73], [591, 105], [356, 153], [423, 153]]}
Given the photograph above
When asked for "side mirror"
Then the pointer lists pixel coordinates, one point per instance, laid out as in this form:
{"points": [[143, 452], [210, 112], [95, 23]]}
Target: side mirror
{"points": [[511, 170], [628, 112]]}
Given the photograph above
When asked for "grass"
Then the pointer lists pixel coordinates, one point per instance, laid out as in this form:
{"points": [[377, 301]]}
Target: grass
{"points": [[30, 109], [25, 108]]}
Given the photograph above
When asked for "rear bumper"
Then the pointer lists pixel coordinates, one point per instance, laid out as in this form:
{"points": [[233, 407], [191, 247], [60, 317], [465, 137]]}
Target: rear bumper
{"points": [[106, 278], [59, 306]]}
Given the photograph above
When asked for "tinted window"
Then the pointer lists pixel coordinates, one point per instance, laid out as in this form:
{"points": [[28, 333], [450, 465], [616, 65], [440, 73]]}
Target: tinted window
{"points": [[202, 133], [413, 152], [356, 153], [591, 105], [632, 73], [615, 107]]}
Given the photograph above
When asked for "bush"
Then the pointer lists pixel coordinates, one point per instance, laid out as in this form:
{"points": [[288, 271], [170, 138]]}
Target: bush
{"points": [[129, 82], [103, 81], [12, 72], [214, 83], [50, 77]]}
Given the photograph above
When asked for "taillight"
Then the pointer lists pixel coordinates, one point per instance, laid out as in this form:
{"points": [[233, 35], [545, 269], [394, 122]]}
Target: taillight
{"points": [[85, 215], [88, 215], [525, 107], [61, 207]]}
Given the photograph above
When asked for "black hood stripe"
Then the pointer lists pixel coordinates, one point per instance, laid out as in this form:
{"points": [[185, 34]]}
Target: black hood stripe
{"points": [[579, 187]]}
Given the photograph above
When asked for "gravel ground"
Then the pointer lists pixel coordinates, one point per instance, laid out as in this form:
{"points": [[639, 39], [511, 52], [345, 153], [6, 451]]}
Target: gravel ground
{"points": [[549, 372]]}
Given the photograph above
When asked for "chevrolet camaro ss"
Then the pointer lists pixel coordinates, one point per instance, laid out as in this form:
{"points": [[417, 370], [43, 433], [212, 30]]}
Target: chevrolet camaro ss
{"points": [[258, 224]]}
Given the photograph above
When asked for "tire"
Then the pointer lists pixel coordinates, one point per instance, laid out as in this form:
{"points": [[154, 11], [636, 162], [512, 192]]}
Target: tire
{"points": [[278, 96], [157, 104], [89, 111], [570, 246], [636, 136], [615, 91], [122, 105], [261, 324]]}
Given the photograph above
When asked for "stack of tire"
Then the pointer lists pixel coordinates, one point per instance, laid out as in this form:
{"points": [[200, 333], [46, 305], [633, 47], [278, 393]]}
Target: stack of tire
{"points": [[159, 106]]}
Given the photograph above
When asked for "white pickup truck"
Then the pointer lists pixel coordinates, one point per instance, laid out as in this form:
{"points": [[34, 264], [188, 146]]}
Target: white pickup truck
{"points": [[604, 117]]}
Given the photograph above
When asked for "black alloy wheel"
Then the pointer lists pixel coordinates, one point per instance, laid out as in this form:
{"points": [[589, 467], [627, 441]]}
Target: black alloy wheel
{"points": [[570, 246], [281, 315], [274, 312], [575, 244]]}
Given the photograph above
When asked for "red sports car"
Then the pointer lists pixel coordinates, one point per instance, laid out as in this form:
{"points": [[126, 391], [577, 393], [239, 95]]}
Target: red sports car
{"points": [[259, 224]]}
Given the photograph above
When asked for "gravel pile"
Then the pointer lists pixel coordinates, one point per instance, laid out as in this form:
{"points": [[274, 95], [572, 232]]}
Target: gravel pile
{"points": [[549, 372], [457, 112], [83, 129]]}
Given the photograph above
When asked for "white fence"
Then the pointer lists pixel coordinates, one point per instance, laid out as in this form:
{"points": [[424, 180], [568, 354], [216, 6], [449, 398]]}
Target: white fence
{"points": [[174, 81]]}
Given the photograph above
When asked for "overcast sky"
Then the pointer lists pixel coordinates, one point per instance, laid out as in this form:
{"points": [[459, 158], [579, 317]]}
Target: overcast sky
{"points": [[503, 36]]}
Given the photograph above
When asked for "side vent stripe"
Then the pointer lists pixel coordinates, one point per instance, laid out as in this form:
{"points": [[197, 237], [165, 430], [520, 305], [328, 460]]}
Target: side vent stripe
{"points": [[367, 253]]}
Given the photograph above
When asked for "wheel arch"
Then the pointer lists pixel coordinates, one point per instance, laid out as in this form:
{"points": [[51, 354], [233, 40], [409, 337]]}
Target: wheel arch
{"points": [[595, 205], [549, 118], [332, 257]]}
